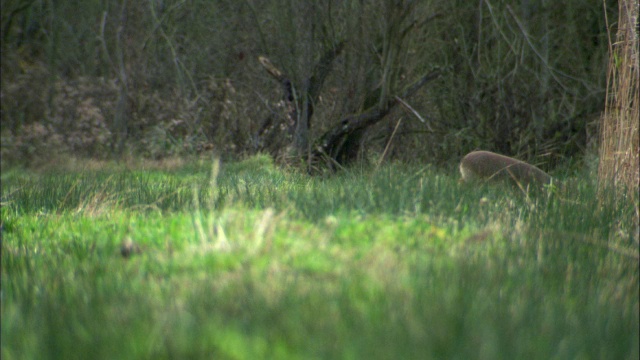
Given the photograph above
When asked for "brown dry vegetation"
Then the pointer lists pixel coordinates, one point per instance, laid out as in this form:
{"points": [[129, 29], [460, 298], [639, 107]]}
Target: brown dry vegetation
{"points": [[620, 149]]}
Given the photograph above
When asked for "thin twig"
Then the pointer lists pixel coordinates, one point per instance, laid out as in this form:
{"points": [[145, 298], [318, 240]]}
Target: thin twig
{"points": [[526, 36], [388, 143], [406, 105], [103, 41]]}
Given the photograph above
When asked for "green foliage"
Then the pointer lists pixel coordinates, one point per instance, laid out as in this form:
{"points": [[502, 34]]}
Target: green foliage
{"points": [[248, 261]]}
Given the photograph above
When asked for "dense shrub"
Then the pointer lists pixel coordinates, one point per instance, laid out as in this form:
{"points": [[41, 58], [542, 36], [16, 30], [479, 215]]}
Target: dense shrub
{"points": [[165, 78]]}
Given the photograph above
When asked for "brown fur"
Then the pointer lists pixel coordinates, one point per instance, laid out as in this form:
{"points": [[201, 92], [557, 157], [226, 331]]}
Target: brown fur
{"points": [[485, 165]]}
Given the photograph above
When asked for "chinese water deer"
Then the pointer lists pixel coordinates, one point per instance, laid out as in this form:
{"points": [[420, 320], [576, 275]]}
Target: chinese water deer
{"points": [[485, 165]]}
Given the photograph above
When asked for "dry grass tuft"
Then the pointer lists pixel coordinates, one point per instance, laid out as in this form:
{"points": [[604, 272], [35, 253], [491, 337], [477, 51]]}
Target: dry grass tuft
{"points": [[619, 151]]}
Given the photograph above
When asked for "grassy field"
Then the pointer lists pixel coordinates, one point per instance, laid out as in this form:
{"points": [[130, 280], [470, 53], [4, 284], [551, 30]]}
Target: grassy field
{"points": [[247, 261]]}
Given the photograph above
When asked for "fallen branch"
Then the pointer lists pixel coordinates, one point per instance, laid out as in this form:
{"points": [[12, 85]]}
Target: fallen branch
{"points": [[342, 142]]}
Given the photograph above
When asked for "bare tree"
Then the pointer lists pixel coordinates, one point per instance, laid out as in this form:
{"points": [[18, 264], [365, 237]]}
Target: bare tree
{"points": [[386, 41]]}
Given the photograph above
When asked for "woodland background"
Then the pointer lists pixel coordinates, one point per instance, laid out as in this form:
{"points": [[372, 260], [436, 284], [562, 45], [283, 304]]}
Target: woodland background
{"points": [[107, 79]]}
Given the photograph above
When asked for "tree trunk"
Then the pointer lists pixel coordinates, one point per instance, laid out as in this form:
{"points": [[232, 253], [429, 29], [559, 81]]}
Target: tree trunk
{"points": [[299, 100], [341, 144]]}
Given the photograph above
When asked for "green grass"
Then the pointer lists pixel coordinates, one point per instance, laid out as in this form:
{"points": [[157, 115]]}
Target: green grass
{"points": [[261, 263]]}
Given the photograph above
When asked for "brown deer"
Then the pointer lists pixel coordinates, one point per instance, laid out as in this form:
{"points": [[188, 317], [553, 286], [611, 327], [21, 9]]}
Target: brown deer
{"points": [[488, 166]]}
